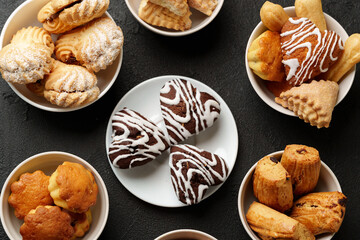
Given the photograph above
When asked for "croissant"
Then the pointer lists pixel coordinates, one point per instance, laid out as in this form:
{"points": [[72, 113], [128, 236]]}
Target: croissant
{"points": [[205, 6], [59, 16], [96, 45], [70, 85]]}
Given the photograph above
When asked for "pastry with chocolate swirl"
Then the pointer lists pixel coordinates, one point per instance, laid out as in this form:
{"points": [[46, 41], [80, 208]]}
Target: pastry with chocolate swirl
{"points": [[186, 110], [135, 140], [193, 171]]}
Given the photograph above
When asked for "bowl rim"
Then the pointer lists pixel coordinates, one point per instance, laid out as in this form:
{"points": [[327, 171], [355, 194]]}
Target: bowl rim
{"points": [[252, 76], [164, 32], [185, 230], [83, 162], [55, 108], [247, 178]]}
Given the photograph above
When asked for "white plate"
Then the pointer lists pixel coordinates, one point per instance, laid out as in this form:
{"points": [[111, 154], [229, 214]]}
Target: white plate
{"points": [[26, 15], [327, 183], [186, 234], [199, 20], [151, 182], [259, 84]]}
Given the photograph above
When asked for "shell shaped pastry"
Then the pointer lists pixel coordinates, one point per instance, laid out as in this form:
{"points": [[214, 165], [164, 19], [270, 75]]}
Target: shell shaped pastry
{"points": [[162, 17], [96, 45], [62, 16], [205, 6], [313, 102], [70, 86], [33, 35], [179, 7]]}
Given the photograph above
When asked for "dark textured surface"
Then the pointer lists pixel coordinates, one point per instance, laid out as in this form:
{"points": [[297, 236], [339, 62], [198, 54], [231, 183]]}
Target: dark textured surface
{"points": [[215, 56]]}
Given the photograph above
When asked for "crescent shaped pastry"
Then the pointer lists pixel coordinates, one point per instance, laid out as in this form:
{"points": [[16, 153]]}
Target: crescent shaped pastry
{"points": [[205, 6], [179, 7], [313, 102], [70, 85], [96, 45], [62, 16]]}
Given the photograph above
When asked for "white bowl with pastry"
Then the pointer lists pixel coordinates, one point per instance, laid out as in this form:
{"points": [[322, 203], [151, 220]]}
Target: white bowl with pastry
{"points": [[174, 18], [88, 75], [262, 196], [35, 173], [260, 67], [185, 234]]}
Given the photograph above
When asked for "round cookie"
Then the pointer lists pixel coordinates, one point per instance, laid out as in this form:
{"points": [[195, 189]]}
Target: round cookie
{"points": [[73, 187]]}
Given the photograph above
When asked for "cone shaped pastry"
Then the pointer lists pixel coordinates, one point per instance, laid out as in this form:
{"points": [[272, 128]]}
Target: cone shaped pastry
{"points": [[95, 45], [162, 17], [313, 102], [273, 16], [272, 184], [321, 212], [70, 86], [64, 15], [271, 224], [205, 6], [179, 7], [311, 9], [303, 164]]}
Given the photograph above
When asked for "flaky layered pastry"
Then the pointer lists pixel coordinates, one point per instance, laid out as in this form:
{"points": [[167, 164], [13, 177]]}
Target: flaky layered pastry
{"points": [[205, 6], [59, 16], [95, 45], [162, 17], [313, 102], [179, 7], [311, 9], [70, 85], [271, 224]]}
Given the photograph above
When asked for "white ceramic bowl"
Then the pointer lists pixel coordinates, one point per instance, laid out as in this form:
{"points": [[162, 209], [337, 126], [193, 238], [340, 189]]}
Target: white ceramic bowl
{"points": [[26, 15], [327, 183], [199, 20], [185, 234], [259, 84], [48, 162]]}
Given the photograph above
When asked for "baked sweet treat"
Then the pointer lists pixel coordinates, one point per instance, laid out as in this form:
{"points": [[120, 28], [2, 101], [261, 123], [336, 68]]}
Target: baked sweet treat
{"points": [[73, 187], [307, 51], [278, 87], [81, 222], [135, 140], [47, 222], [273, 16], [95, 45], [179, 7], [186, 110], [193, 171], [271, 224], [30, 191], [265, 57], [70, 85], [303, 164], [37, 87], [313, 102], [59, 16], [272, 184], [321, 212], [311, 9], [205, 6], [28, 56], [162, 17]]}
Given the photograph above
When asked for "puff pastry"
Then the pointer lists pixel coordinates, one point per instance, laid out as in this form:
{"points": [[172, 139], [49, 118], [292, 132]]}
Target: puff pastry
{"points": [[162, 17], [59, 16], [205, 6], [179, 7], [28, 56], [311, 9], [70, 85], [96, 45], [321, 212], [313, 102]]}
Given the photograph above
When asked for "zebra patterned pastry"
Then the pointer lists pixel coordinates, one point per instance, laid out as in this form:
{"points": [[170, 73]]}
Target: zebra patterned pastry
{"points": [[135, 140], [186, 110], [28, 56], [193, 171], [307, 51], [95, 45], [59, 16]]}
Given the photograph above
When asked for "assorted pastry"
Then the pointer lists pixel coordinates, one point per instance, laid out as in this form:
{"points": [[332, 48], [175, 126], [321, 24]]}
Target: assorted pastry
{"points": [[301, 61], [277, 182], [88, 43], [173, 14], [56, 206], [186, 111]]}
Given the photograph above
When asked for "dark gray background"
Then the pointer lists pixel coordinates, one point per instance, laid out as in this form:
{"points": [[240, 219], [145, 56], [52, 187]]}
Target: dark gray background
{"points": [[215, 56]]}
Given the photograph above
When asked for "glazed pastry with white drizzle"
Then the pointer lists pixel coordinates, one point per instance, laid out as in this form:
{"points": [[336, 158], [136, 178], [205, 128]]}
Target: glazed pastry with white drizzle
{"points": [[307, 51], [135, 140], [186, 110], [193, 171]]}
